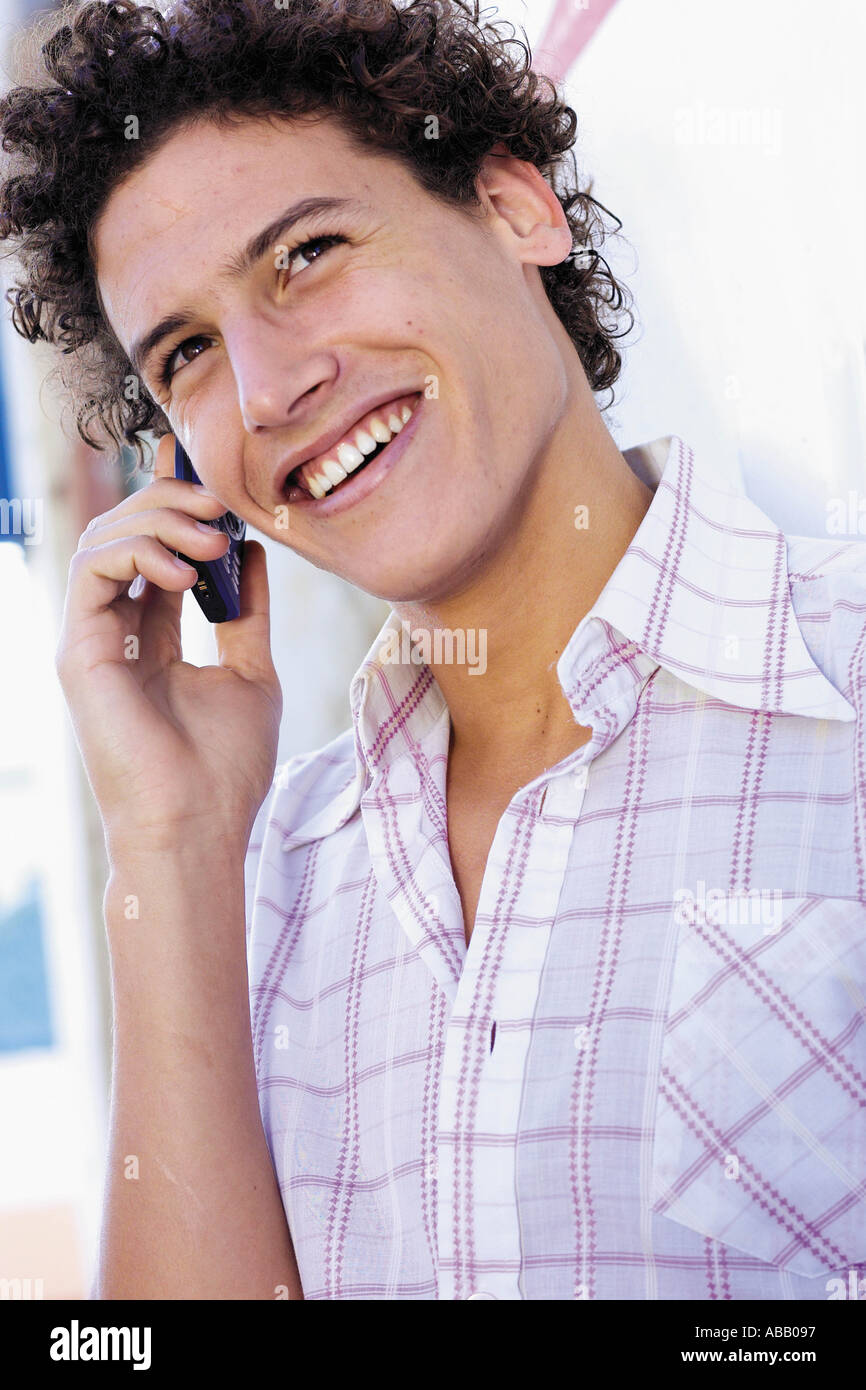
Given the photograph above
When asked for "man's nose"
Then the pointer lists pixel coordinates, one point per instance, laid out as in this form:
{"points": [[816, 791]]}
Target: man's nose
{"points": [[273, 376]]}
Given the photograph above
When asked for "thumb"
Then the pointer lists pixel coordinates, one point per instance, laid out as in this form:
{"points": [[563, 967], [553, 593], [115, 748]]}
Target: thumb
{"points": [[244, 644]]}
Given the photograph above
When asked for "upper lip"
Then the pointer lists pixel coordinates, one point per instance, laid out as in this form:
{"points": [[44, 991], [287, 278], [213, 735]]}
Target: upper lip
{"points": [[333, 436]]}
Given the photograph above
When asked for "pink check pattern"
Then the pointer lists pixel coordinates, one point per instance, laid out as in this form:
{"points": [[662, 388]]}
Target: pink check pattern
{"points": [[645, 1078]]}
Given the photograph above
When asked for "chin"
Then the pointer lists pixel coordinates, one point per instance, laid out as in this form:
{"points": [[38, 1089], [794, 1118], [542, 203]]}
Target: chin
{"points": [[417, 577]]}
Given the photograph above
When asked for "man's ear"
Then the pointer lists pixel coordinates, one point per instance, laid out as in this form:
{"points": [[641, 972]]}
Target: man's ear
{"points": [[524, 208]]}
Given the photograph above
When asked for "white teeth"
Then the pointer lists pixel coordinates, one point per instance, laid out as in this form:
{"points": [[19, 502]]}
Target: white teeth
{"points": [[333, 472], [379, 431], [365, 442], [350, 457]]}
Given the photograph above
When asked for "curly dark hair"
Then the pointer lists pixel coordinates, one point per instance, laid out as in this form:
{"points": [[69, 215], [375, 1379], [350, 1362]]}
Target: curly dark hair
{"points": [[380, 66]]}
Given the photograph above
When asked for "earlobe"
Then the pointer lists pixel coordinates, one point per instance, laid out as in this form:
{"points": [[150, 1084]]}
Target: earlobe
{"points": [[522, 199], [556, 244]]}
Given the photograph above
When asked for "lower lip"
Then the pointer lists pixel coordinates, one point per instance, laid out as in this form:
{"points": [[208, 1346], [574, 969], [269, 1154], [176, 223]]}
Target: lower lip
{"points": [[361, 483]]}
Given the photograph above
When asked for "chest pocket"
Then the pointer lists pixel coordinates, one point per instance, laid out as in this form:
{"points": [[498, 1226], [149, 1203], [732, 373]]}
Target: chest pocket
{"points": [[760, 1134]]}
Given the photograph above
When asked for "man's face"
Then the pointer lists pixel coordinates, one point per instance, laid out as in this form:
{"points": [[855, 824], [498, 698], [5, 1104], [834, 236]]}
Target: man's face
{"points": [[414, 303]]}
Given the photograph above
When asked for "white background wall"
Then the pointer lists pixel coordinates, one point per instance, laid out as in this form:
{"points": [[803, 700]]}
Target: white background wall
{"points": [[53, 1100], [729, 140]]}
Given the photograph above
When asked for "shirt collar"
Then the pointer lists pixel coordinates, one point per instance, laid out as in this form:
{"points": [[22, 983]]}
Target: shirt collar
{"points": [[702, 591]]}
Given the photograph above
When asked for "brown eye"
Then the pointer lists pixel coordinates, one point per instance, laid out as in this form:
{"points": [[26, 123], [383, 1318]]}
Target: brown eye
{"points": [[184, 348], [306, 247], [173, 362]]}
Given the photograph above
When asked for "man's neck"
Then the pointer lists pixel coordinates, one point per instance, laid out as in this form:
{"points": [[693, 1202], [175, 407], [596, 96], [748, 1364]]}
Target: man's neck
{"points": [[523, 607]]}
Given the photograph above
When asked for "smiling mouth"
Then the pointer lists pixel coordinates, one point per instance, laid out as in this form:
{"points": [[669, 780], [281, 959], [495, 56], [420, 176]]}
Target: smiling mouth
{"points": [[363, 443]]}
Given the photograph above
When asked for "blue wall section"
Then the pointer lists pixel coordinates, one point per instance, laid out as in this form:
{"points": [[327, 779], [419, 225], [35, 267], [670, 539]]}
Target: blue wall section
{"points": [[6, 480], [25, 1010]]}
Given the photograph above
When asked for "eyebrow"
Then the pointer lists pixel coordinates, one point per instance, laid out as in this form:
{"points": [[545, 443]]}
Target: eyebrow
{"points": [[238, 265]]}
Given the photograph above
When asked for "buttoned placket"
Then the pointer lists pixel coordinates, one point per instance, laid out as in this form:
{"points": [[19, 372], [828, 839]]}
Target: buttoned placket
{"points": [[493, 981], [488, 1037]]}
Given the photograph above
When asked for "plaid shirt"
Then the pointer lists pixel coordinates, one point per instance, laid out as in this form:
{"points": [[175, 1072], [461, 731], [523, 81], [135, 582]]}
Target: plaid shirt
{"points": [[645, 1078]]}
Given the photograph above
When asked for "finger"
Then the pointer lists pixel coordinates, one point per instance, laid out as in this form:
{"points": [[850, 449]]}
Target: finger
{"points": [[244, 643], [98, 576], [161, 608], [174, 528], [163, 464], [195, 540], [171, 493]]}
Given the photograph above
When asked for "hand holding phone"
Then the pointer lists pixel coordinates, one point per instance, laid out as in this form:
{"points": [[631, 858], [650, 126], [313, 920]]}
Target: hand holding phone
{"points": [[217, 589], [155, 729]]}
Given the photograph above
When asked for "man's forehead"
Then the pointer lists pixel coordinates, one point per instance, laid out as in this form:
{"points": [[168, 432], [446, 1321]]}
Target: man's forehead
{"points": [[210, 181], [236, 167]]}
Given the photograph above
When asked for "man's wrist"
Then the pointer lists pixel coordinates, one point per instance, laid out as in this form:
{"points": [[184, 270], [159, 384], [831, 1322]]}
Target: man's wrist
{"points": [[189, 849], [188, 879]]}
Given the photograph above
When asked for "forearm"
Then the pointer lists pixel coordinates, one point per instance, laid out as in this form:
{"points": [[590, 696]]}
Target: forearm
{"points": [[192, 1208]]}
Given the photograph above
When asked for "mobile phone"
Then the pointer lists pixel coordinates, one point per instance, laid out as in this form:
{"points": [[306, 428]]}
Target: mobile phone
{"points": [[218, 587]]}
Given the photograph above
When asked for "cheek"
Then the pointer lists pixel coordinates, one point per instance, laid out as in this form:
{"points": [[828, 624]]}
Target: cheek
{"points": [[377, 306], [211, 431]]}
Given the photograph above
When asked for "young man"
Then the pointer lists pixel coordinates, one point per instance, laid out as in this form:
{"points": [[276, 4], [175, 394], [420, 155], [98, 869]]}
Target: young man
{"points": [[556, 957]]}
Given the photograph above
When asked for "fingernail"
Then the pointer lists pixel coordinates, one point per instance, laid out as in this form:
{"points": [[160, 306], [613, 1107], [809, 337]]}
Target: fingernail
{"points": [[137, 586], [182, 564]]}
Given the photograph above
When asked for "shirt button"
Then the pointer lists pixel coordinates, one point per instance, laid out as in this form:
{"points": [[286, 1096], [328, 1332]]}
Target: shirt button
{"points": [[482, 1294]]}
